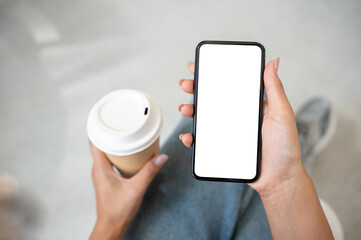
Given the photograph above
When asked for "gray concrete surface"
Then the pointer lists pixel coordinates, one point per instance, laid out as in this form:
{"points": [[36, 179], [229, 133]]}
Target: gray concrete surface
{"points": [[58, 57]]}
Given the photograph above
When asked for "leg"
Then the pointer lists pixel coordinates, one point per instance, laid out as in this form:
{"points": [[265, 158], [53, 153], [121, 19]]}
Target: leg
{"points": [[176, 206]]}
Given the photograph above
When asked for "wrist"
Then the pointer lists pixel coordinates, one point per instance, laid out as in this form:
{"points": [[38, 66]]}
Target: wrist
{"points": [[294, 206], [286, 185], [105, 229]]}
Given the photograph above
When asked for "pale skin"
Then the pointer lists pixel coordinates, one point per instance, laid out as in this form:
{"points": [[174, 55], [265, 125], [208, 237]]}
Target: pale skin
{"points": [[287, 192]]}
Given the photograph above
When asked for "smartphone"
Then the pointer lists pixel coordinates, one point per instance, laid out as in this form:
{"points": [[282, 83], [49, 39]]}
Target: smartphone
{"points": [[228, 108]]}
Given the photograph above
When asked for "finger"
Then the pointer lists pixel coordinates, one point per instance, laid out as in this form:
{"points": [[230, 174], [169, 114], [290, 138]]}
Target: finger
{"points": [[265, 107], [276, 96], [187, 85], [186, 110], [145, 176], [187, 139], [191, 67], [101, 161]]}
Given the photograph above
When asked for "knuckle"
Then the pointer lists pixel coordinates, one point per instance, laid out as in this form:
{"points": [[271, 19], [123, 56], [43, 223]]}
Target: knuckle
{"points": [[95, 173], [151, 168]]}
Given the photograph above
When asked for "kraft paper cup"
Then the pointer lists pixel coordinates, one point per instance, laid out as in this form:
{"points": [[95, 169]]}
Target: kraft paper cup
{"points": [[125, 125]]}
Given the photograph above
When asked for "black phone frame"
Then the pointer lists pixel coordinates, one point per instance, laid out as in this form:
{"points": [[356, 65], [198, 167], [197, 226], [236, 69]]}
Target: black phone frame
{"points": [[260, 114]]}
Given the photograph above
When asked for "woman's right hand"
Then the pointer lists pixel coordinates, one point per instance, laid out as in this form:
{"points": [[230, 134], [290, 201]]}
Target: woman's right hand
{"points": [[281, 153]]}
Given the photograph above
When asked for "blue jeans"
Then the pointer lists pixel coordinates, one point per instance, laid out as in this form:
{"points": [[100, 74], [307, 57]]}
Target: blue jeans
{"points": [[176, 206]]}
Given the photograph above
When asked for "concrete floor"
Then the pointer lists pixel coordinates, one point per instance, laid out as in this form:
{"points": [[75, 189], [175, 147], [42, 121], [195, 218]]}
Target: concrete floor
{"points": [[57, 58]]}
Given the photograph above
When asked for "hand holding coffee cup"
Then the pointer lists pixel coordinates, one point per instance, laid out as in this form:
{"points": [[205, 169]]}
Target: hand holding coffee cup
{"points": [[125, 125], [117, 198]]}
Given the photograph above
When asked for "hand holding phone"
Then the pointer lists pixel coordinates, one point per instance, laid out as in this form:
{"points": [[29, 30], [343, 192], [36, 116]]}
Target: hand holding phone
{"points": [[281, 153], [287, 192]]}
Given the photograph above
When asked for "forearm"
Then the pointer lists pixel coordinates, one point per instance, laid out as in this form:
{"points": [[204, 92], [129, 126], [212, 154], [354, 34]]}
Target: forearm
{"points": [[294, 211]]}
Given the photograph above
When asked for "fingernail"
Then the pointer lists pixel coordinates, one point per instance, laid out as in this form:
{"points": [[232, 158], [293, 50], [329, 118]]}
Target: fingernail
{"points": [[180, 136], [159, 161], [180, 82], [277, 63], [180, 107]]}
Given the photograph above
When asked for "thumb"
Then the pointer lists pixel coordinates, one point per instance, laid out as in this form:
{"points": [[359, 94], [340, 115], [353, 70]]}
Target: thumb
{"points": [[145, 176], [276, 96]]}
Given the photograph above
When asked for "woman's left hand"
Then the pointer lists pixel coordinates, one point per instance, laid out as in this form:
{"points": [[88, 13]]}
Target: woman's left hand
{"points": [[118, 199]]}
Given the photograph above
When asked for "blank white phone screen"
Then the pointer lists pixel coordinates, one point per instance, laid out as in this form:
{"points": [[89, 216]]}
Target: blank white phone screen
{"points": [[229, 78]]}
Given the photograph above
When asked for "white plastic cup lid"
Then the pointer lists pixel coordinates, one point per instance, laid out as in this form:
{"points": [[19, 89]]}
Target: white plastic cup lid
{"points": [[124, 122]]}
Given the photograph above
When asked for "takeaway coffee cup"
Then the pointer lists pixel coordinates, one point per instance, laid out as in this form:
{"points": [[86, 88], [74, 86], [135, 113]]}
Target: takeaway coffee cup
{"points": [[125, 125]]}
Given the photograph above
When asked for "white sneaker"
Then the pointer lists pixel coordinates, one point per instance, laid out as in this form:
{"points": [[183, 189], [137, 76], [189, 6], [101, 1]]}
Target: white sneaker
{"points": [[316, 125]]}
